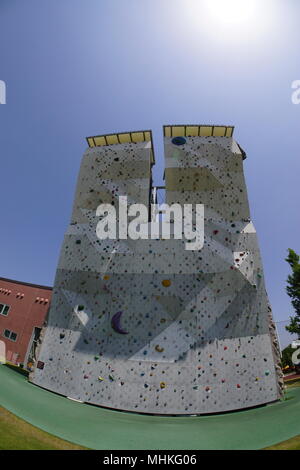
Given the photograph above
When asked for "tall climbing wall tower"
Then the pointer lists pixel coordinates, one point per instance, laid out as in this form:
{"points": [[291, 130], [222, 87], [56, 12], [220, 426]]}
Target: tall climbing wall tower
{"points": [[146, 325]]}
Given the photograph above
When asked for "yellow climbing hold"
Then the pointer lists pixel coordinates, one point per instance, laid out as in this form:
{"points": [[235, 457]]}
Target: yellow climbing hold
{"points": [[100, 378], [106, 277], [158, 348], [162, 384], [166, 283]]}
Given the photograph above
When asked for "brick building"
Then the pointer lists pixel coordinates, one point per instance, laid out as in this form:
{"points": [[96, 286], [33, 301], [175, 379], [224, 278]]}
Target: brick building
{"points": [[23, 311]]}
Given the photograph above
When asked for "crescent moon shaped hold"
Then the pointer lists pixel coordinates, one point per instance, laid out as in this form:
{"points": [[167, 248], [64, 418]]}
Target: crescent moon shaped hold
{"points": [[116, 324]]}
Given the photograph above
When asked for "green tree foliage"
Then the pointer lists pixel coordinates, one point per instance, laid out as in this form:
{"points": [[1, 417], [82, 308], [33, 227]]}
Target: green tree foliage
{"points": [[293, 290], [286, 356]]}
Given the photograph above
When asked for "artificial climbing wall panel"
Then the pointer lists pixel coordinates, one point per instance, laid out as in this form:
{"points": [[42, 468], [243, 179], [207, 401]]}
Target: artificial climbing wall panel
{"points": [[146, 325]]}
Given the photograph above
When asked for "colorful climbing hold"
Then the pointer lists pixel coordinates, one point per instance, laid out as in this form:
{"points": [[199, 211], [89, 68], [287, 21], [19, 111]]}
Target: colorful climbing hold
{"points": [[166, 283], [178, 141], [115, 323]]}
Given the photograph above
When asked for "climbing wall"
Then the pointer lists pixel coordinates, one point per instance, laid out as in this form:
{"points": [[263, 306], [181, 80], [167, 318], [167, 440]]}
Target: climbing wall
{"points": [[147, 325]]}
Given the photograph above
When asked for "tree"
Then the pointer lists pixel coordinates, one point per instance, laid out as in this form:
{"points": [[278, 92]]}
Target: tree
{"points": [[286, 357], [293, 290]]}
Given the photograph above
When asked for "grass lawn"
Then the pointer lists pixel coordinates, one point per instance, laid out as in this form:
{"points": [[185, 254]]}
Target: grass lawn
{"points": [[291, 444], [293, 383], [16, 434]]}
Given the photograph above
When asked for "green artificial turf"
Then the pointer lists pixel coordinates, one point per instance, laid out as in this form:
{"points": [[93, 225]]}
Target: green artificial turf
{"points": [[99, 428]]}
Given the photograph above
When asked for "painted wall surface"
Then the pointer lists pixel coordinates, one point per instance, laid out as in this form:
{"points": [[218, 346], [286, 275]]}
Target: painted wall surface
{"points": [[28, 308], [146, 325]]}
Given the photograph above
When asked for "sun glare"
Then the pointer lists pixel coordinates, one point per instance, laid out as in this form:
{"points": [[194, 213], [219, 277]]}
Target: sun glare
{"points": [[232, 11], [232, 21]]}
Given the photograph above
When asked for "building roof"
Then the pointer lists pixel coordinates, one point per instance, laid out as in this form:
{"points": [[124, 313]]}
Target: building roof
{"points": [[37, 286]]}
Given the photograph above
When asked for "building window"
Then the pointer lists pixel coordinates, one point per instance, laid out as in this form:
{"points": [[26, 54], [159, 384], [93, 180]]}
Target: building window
{"points": [[10, 335], [4, 309]]}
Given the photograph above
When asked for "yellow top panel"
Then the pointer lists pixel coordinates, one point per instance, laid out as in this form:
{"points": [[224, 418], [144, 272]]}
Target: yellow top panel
{"points": [[122, 138], [201, 130]]}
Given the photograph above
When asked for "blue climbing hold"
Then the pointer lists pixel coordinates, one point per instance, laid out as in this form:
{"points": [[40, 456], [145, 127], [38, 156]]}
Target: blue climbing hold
{"points": [[178, 141]]}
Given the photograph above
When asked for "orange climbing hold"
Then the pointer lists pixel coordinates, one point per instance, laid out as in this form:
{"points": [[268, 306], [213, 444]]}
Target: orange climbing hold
{"points": [[166, 283]]}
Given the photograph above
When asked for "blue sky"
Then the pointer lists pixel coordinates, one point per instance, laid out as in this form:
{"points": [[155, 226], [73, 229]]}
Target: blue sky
{"points": [[75, 68]]}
